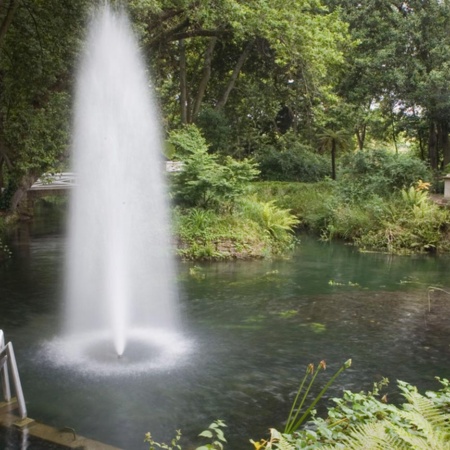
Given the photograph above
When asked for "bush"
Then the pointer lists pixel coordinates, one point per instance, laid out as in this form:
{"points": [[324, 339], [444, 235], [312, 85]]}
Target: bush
{"points": [[277, 222], [204, 234], [311, 203], [366, 421], [216, 129], [205, 181], [405, 222], [379, 172], [412, 223], [291, 161]]}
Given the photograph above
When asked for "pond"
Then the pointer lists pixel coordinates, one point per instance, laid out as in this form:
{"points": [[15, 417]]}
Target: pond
{"points": [[255, 326]]}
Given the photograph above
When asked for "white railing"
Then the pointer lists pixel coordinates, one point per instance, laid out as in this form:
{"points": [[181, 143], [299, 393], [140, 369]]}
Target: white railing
{"points": [[8, 365], [67, 180], [63, 180]]}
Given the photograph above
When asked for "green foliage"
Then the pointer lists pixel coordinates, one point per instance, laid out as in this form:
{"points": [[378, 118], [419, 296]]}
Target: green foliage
{"points": [[291, 163], [37, 53], [204, 181], [379, 172], [365, 420], [216, 129], [174, 443], [208, 235], [412, 223], [407, 221], [238, 234], [307, 201], [187, 141], [214, 433], [277, 222]]}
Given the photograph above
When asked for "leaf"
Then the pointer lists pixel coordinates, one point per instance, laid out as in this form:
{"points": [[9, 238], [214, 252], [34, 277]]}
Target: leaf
{"points": [[206, 433]]}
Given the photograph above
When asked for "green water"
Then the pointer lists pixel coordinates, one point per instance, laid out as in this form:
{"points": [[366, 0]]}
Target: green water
{"points": [[256, 325]]}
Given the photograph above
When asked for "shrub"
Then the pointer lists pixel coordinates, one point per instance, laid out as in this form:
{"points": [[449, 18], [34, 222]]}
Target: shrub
{"points": [[365, 420], [187, 140], [205, 234], [350, 221], [290, 160], [277, 222], [204, 181], [307, 201], [216, 129], [412, 223], [378, 172]]}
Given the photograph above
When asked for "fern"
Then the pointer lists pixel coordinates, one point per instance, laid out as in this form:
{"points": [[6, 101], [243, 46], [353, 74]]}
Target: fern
{"points": [[423, 426], [372, 436]]}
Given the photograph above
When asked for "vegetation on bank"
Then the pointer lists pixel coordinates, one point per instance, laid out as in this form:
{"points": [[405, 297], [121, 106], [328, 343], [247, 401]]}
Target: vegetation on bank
{"points": [[380, 202], [359, 421], [214, 215]]}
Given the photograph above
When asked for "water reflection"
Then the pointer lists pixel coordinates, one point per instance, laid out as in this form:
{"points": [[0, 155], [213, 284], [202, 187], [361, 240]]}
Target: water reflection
{"points": [[257, 325]]}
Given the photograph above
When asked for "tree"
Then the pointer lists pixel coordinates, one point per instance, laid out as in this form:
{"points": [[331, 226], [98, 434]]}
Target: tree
{"points": [[217, 56], [38, 46], [400, 68], [333, 141]]}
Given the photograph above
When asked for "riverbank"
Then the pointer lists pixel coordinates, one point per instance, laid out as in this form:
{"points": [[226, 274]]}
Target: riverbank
{"points": [[403, 221], [263, 223]]}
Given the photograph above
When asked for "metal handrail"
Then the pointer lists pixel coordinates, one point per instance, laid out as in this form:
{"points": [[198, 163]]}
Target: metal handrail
{"points": [[4, 370], [8, 361]]}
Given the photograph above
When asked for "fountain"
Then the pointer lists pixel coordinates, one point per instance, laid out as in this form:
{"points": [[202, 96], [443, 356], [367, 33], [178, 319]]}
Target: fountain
{"points": [[120, 275]]}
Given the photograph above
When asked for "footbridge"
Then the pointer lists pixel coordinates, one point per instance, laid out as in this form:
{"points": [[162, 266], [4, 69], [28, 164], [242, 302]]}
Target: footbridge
{"points": [[54, 182]]}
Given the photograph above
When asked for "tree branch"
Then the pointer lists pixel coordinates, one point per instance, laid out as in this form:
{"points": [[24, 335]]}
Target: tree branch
{"points": [[234, 76], [205, 77], [13, 4], [198, 33]]}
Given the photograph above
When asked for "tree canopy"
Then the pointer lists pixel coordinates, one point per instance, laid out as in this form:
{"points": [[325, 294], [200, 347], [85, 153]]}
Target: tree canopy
{"points": [[246, 72]]}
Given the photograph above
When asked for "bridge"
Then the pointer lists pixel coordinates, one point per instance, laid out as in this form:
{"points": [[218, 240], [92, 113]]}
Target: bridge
{"points": [[56, 181], [67, 180]]}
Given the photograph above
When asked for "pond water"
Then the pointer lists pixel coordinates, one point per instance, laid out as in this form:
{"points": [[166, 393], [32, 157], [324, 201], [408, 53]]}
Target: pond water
{"points": [[255, 325]]}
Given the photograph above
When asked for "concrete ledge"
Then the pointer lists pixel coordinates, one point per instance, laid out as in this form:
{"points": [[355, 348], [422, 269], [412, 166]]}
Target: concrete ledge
{"points": [[64, 436]]}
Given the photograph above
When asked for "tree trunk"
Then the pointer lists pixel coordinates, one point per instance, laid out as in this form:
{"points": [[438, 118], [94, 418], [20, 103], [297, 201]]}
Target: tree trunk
{"points": [[183, 84], [361, 135], [19, 199], [2, 183], [432, 147], [333, 159], [444, 144], [205, 78], [234, 76]]}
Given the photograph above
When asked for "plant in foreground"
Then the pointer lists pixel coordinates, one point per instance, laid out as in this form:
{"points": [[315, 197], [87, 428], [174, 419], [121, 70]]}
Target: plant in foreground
{"points": [[293, 422], [214, 433], [362, 421], [359, 421]]}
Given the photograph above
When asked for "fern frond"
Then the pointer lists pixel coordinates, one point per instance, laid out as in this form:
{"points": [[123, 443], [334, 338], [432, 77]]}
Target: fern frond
{"points": [[278, 441], [423, 413], [372, 436], [429, 439]]}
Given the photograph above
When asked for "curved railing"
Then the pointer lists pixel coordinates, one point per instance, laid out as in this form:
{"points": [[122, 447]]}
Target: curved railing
{"points": [[8, 366]]}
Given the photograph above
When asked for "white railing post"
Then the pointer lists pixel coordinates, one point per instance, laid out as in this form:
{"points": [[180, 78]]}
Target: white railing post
{"points": [[4, 370], [8, 359]]}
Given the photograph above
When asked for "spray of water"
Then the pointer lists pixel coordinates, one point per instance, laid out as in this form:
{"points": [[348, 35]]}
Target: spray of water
{"points": [[120, 276]]}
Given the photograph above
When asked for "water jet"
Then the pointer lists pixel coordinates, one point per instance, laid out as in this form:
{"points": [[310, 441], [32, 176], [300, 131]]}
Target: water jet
{"points": [[119, 270]]}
